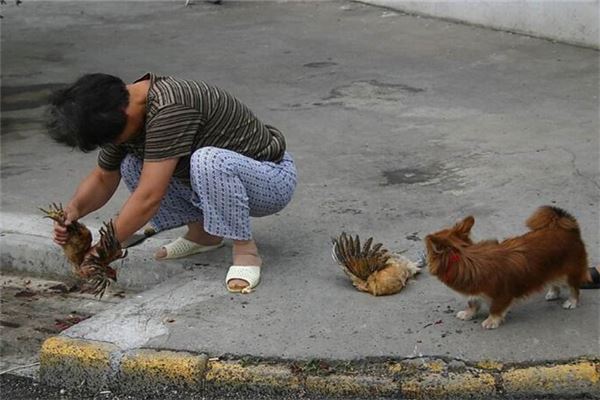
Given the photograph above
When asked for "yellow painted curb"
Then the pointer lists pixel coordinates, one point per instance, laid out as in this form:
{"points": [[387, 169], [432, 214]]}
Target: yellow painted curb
{"points": [[449, 385], [350, 385], [87, 354], [280, 377], [234, 372], [396, 368], [583, 376], [69, 362], [490, 365], [164, 366], [436, 366]]}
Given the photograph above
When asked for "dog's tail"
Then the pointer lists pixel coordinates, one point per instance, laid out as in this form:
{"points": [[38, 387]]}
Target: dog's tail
{"points": [[552, 217]]}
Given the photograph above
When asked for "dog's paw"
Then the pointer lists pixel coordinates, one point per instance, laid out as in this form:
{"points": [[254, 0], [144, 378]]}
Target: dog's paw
{"points": [[465, 315], [491, 322], [553, 294], [569, 304]]}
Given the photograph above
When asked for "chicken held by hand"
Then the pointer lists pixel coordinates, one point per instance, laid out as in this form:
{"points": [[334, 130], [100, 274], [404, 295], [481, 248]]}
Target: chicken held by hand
{"points": [[95, 267], [79, 238]]}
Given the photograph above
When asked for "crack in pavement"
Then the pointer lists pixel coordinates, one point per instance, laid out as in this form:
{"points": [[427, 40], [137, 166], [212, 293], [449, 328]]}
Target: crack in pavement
{"points": [[577, 170]]}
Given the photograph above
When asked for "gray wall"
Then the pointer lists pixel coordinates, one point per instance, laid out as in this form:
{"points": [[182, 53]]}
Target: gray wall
{"points": [[573, 22]]}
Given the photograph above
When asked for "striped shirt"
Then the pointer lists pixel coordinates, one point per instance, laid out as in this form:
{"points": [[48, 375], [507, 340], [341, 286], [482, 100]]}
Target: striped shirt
{"points": [[183, 116]]}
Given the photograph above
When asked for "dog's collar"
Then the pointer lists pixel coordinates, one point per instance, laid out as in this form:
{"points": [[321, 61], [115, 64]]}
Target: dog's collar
{"points": [[453, 259]]}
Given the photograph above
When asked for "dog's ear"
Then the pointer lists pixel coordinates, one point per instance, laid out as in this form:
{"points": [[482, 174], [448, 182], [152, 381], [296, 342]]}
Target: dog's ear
{"points": [[438, 244], [464, 226]]}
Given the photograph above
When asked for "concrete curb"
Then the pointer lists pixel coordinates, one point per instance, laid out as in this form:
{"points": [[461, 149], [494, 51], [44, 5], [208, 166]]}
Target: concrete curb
{"points": [[28, 248], [99, 366]]}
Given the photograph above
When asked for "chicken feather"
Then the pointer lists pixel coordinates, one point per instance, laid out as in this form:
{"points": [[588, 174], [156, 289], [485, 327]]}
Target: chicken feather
{"points": [[372, 268], [94, 268]]}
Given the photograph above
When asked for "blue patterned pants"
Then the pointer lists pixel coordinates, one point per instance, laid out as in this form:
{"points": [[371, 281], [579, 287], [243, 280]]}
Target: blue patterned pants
{"points": [[227, 189]]}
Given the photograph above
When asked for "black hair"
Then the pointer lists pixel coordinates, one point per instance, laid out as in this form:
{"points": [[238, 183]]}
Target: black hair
{"points": [[89, 113]]}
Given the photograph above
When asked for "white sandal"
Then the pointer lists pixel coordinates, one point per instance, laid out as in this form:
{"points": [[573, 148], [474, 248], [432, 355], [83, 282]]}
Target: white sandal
{"points": [[181, 247], [250, 274]]}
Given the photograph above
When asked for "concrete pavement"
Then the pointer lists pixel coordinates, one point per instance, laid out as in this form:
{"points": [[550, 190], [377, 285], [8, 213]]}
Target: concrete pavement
{"points": [[399, 126]]}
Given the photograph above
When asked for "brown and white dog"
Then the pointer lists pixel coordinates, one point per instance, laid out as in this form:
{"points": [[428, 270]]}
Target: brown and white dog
{"points": [[551, 253]]}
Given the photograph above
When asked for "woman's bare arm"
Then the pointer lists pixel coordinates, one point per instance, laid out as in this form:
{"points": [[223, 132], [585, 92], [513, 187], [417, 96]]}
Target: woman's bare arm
{"points": [[144, 202], [93, 192]]}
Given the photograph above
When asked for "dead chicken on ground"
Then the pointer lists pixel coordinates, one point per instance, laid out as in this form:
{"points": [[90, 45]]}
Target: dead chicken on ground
{"points": [[372, 269], [94, 268]]}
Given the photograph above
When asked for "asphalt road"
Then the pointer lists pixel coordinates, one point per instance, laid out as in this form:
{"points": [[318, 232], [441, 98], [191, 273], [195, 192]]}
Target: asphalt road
{"points": [[21, 388]]}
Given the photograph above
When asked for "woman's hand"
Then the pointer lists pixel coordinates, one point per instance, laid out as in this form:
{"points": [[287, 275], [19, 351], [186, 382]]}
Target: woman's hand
{"points": [[61, 233], [91, 194]]}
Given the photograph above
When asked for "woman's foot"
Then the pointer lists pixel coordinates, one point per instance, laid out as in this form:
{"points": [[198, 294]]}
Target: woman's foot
{"points": [[245, 252], [196, 234], [593, 278]]}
